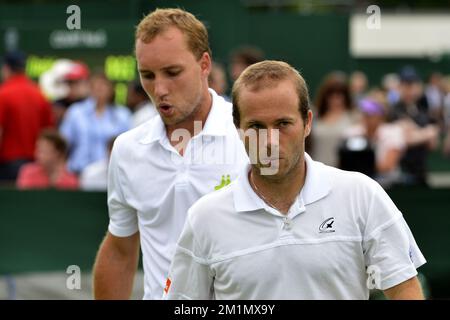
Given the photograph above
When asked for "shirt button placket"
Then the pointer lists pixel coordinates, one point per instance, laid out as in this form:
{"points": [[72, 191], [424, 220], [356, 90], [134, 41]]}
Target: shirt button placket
{"points": [[287, 223]]}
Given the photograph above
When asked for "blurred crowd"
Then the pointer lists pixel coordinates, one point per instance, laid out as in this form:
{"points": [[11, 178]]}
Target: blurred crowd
{"points": [[59, 133], [385, 131]]}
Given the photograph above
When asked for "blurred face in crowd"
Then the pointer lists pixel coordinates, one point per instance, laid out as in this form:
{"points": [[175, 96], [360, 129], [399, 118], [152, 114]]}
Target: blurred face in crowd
{"points": [[358, 82], [446, 84], [372, 122], [236, 68], [336, 100], [391, 82], [217, 80], [78, 89], [410, 92], [436, 79], [132, 98], [175, 79], [276, 107], [46, 154], [102, 89]]}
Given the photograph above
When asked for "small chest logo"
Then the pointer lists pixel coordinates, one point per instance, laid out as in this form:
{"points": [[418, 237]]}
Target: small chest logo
{"points": [[327, 226], [224, 182]]}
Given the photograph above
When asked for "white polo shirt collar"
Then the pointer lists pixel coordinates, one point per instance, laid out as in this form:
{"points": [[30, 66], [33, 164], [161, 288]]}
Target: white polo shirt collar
{"points": [[317, 182], [214, 125], [317, 186]]}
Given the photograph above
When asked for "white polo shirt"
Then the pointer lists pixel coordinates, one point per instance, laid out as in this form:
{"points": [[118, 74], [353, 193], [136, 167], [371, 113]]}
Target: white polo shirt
{"points": [[341, 225], [151, 186]]}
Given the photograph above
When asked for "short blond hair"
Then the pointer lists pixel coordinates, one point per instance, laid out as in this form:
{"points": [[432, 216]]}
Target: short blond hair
{"points": [[266, 74], [160, 20]]}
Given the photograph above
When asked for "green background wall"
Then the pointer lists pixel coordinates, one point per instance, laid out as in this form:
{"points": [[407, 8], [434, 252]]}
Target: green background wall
{"points": [[315, 44], [50, 230]]}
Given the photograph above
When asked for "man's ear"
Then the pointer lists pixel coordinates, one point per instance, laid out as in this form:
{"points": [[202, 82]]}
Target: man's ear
{"points": [[308, 124], [205, 63]]}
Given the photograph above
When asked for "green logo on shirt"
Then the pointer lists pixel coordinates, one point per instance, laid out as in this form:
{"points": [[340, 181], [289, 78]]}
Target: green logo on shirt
{"points": [[224, 182]]}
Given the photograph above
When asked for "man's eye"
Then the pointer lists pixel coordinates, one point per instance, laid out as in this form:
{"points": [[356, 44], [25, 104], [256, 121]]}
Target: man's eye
{"points": [[283, 124], [173, 73], [148, 76], [255, 126]]}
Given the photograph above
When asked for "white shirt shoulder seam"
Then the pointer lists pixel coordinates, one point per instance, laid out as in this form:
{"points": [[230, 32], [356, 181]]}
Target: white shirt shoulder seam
{"points": [[192, 255], [279, 243], [384, 226]]}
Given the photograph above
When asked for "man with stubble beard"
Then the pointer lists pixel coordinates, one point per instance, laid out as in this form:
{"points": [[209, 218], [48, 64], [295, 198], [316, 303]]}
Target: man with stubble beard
{"points": [[159, 169], [302, 230]]}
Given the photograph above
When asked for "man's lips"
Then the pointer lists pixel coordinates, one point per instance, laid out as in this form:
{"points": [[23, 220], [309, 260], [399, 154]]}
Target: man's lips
{"points": [[165, 109]]}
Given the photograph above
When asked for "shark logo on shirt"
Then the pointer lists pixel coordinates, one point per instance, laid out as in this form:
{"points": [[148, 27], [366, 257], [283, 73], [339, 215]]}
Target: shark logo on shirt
{"points": [[327, 226]]}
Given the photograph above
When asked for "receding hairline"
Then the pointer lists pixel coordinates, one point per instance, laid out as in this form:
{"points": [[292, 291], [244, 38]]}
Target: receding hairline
{"points": [[254, 89], [267, 82], [270, 74], [268, 71], [260, 82]]}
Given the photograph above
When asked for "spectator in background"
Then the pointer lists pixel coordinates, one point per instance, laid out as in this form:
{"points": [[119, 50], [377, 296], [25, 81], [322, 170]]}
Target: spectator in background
{"points": [[411, 112], [358, 86], [65, 83], [391, 84], [139, 103], [387, 140], [95, 176], [335, 114], [50, 169], [435, 96], [24, 112], [88, 125], [243, 57], [217, 80], [77, 82]]}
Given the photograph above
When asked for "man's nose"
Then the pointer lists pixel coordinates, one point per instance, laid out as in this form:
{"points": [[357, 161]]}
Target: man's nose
{"points": [[271, 141], [160, 88], [273, 138]]}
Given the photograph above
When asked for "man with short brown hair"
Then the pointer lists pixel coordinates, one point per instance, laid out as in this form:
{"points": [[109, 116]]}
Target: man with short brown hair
{"points": [[159, 169], [304, 231]]}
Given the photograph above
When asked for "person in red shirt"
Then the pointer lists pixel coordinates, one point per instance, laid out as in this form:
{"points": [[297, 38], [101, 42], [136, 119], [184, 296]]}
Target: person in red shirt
{"points": [[50, 169], [24, 112]]}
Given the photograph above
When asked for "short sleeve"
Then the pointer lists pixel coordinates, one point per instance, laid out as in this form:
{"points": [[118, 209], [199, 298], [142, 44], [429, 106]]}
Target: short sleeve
{"points": [[390, 250], [123, 220], [24, 179], [190, 277]]}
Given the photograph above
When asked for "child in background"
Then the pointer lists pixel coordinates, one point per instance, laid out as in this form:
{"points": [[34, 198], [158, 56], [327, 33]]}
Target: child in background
{"points": [[49, 169]]}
